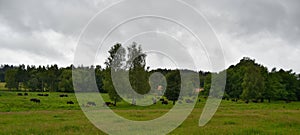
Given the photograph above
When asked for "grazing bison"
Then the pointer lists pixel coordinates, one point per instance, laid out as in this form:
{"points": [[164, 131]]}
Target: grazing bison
{"points": [[255, 101], [35, 100], [20, 94], [63, 95], [154, 100], [189, 101], [165, 102], [108, 104], [161, 99], [70, 102], [180, 102], [247, 101], [46, 95], [91, 103], [25, 94]]}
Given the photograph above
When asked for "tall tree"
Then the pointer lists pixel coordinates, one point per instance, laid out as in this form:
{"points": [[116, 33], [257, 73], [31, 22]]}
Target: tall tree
{"points": [[173, 87], [66, 84], [114, 63], [136, 64], [11, 79], [99, 79]]}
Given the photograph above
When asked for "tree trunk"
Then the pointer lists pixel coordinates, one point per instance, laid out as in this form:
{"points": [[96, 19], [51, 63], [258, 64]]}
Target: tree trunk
{"points": [[173, 102]]}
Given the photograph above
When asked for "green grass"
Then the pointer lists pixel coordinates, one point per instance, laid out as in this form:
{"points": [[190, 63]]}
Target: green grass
{"points": [[2, 86], [53, 116]]}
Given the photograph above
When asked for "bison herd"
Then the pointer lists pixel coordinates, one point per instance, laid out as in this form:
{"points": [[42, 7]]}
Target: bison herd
{"points": [[90, 103], [36, 100]]}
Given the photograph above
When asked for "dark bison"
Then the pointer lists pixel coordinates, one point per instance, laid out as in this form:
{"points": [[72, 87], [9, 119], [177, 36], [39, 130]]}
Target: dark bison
{"points": [[63, 95], [70, 102], [25, 94], [108, 104], [189, 101], [161, 99], [20, 94], [91, 103], [35, 100], [46, 95], [165, 102], [247, 101]]}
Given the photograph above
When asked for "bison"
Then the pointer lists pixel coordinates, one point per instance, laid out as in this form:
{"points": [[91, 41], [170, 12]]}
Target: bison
{"points": [[70, 102], [35, 100], [108, 104], [63, 95], [91, 103], [165, 102], [189, 101]]}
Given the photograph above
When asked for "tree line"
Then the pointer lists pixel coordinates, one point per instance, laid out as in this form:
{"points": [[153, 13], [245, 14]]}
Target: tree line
{"points": [[247, 80]]}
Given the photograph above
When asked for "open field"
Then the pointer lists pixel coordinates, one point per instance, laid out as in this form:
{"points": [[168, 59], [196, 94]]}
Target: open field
{"points": [[53, 116]]}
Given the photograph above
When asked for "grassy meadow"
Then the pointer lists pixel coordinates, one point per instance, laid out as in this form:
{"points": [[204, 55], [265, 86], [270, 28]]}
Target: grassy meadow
{"points": [[18, 115]]}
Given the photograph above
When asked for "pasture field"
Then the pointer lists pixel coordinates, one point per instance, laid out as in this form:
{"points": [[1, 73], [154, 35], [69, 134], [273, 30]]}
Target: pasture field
{"points": [[18, 115]]}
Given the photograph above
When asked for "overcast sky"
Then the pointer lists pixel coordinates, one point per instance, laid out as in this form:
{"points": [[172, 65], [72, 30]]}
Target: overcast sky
{"points": [[39, 32]]}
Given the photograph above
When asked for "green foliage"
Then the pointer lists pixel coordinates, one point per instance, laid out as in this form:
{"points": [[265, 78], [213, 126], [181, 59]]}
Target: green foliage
{"points": [[246, 80], [114, 63], [136, 63], [66, 84], [174, 85], [11, 79], [253, 81]]}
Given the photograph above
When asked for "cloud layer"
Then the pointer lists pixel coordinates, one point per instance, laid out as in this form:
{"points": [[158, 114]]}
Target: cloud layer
{"points": [[46, 32]]}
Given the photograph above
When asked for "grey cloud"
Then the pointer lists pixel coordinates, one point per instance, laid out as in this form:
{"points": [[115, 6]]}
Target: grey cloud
{"points": [[245, 27]]}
